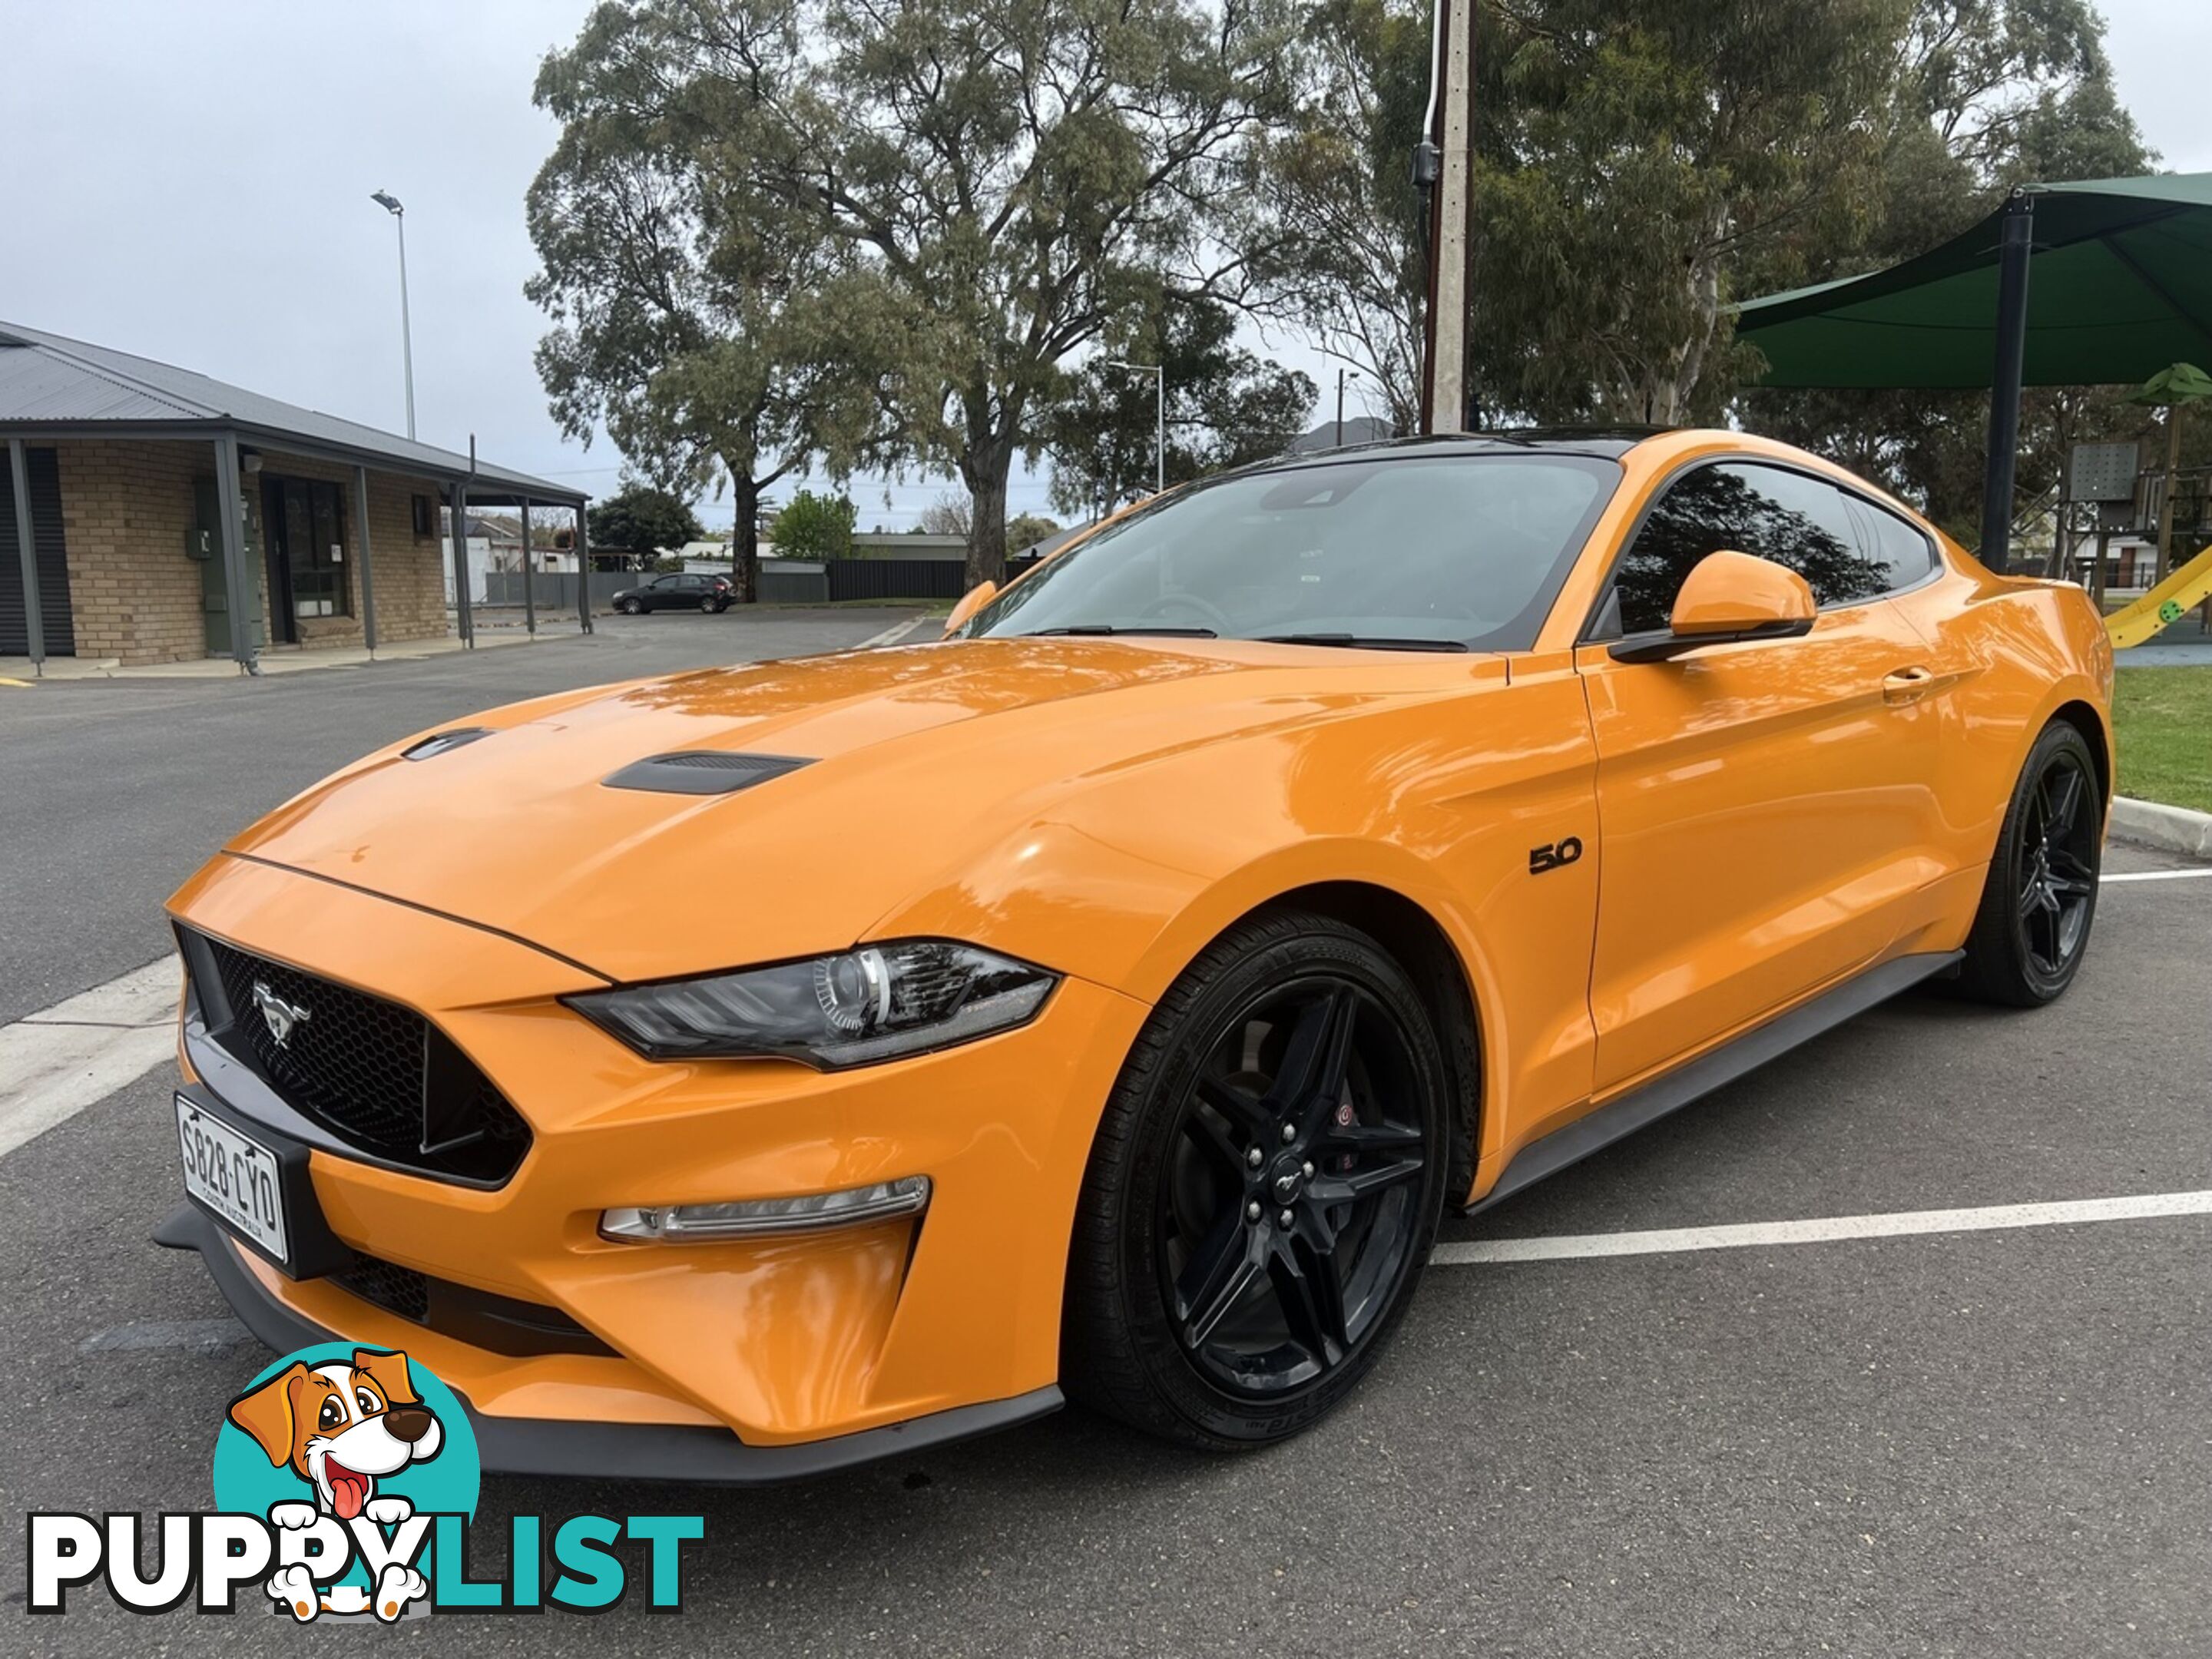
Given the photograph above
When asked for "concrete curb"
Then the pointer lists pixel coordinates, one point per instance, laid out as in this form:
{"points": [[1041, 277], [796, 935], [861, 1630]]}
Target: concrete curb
{"points": [[2174, 829]]}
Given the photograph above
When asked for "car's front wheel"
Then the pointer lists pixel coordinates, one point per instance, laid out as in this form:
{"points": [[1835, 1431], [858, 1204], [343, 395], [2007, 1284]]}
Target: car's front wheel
{"points": [[1263, 1191], [632, 607], [2040, 897]]}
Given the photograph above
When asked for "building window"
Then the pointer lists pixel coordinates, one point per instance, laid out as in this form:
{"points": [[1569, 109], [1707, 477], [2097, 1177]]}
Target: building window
{"points": [[425, 517]]}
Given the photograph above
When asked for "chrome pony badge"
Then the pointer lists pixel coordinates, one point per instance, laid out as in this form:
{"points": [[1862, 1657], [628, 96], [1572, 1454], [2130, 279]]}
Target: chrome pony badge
{"points": [[277, 1014]]}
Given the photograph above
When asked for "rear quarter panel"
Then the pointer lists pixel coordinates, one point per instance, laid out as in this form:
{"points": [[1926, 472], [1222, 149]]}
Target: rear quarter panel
{"points": [[2027, 649]]}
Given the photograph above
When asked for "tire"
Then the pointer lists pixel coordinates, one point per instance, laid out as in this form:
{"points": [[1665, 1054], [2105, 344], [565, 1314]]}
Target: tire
{"points": [[2040, 899], [1191, 1317], [716, 607], [632, 607]]}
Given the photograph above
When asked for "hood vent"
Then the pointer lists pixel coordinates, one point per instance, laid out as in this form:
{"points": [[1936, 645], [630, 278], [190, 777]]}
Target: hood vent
{"points": [[438, 742], [703, 772]]}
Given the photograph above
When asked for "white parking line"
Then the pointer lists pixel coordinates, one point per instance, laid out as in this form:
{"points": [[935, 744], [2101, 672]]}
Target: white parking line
{"points": [[150, 1335], [55, 1063], [2156, 875], [891, 636], [1897, 1224]]}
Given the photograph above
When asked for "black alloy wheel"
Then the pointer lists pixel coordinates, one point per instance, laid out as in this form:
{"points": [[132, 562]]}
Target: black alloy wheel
{"points": [[632, 607], [2040, 901], [1275, 1195], [1291, 1205], [2057, 876]]}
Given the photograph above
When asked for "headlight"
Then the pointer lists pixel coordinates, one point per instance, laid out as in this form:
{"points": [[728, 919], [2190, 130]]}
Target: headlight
{"points": [[879, 1002]]}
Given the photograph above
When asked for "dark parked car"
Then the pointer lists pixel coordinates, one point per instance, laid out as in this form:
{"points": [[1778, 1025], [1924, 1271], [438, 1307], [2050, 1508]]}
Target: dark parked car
{"points": [[680, 592]]}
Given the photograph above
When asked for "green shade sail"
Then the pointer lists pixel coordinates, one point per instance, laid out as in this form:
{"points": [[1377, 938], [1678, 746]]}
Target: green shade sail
{"points": [[2120, 287]]}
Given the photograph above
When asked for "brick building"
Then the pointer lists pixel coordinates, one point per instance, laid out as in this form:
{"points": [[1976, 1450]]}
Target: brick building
{"points": [[141, 506]]}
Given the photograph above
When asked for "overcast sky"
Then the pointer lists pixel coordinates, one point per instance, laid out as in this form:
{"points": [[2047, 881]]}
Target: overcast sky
{"points": [[190, 182]]}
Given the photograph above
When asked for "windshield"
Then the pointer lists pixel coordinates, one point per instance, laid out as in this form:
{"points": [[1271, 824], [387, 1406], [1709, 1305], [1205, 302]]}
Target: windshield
{"points": [[1450, 552]]}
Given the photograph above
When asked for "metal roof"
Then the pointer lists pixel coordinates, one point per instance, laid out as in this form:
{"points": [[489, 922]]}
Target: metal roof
{"points": [[61, 385]]}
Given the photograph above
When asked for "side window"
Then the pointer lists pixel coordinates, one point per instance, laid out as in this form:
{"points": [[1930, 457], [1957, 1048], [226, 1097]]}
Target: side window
{"points": [[1765, 511], [1902, 552]]}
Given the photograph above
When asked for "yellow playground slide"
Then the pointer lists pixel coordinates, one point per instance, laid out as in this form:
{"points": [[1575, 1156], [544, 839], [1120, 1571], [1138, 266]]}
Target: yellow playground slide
{"points": [[2190, 585]]}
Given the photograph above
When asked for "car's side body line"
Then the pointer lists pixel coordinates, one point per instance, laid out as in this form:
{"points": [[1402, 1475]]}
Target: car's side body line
{"points": [[1649, 1102]]}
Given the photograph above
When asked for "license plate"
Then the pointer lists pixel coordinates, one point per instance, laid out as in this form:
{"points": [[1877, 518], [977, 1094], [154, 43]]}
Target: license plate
{"points": [[236, 1177]]}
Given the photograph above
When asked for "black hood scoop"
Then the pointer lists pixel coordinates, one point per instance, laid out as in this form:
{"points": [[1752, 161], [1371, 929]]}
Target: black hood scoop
{"points": [[440, 743], [703, 772]]}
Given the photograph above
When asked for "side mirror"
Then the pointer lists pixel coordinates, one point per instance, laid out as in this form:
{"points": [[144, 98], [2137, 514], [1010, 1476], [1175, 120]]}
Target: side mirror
{"points": [[970, 602], [1728, 597]]}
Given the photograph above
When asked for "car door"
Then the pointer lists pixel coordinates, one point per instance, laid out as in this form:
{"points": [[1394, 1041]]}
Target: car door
{"points": [[1765, 806], [662, 594]]}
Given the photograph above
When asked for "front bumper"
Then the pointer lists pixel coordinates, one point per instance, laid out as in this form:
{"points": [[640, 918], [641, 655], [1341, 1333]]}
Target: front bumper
{"points": [[610, 1451], [925, 1329]]}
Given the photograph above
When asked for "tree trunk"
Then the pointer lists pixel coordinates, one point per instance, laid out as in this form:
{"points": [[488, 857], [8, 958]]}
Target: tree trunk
{"points": [[745, 542], [985, 469], [1705, 283]]}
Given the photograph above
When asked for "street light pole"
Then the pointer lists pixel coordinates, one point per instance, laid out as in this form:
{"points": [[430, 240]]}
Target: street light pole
{"points": [[391, 204], [1159, 373]]}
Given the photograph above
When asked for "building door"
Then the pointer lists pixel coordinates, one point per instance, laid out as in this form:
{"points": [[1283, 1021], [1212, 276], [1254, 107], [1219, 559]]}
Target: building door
{"points": [[306, 537], [52, 560]]}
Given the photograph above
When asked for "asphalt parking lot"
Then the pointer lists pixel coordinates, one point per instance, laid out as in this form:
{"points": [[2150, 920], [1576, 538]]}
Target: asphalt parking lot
{"points": [[1993, 1443]]}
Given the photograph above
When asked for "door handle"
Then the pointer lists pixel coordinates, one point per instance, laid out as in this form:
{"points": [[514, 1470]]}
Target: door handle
{"points": [[1909, 685]]}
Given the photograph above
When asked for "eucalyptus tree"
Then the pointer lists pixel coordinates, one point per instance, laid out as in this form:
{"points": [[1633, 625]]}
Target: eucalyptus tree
{"points": [[1005, 176], [1226, 405], [705, 330], [1346, 262]]}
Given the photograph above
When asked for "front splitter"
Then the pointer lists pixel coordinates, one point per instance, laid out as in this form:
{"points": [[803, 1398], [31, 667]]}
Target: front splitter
{"points": [[614, 1452]]}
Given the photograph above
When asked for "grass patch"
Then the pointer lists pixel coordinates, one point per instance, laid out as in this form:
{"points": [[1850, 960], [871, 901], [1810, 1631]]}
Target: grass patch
{"points": [[2163, 720]]}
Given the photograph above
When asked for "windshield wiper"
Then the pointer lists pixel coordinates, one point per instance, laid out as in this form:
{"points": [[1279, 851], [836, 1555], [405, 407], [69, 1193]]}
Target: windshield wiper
{"points": [[1112, 627], [1365, 641]]}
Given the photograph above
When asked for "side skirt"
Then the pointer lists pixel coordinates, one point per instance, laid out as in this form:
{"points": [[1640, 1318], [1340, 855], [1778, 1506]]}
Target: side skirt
{"points": [[1652, 1101]]}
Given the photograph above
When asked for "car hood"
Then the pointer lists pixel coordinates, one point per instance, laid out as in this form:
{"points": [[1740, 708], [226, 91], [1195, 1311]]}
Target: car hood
{"points": [[919, 758]]}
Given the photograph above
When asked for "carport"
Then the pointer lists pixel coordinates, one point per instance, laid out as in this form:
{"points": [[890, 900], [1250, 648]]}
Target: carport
{"points": [[2102, 282], [63, 403]]}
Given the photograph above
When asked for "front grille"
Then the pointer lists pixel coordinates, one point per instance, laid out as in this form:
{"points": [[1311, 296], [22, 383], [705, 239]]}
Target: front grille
{"points": [[479, 1318], [379, 1076]]}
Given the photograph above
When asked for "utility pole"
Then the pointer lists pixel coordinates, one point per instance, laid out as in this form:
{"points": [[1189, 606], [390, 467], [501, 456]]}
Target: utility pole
{"points": [[1338, 444], [1445, 165]]}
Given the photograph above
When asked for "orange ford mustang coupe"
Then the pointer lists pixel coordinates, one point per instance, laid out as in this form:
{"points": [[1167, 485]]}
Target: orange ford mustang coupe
{"points": [[1125, 985]]}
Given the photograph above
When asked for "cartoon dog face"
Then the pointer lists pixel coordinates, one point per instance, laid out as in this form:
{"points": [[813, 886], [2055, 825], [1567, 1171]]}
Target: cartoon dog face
{"points": [[340, 1426]]}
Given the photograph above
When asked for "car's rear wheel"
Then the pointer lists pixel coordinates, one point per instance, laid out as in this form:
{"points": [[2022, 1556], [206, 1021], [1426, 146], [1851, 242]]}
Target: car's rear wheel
{"points": [[1264, 1188], [632, 607], [2040, 899]]}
